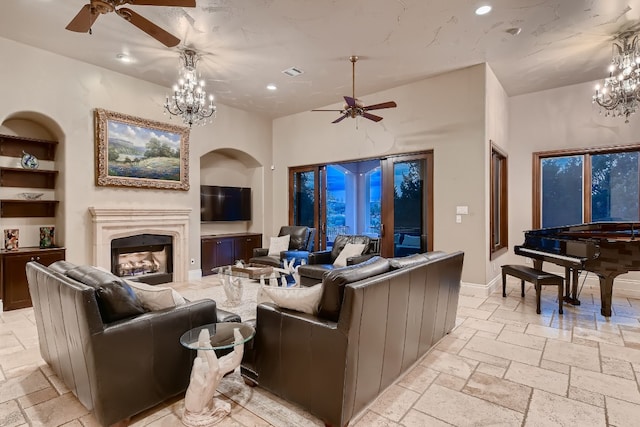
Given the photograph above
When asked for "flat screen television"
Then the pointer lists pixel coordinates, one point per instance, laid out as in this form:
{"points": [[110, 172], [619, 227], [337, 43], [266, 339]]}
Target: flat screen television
{"points": [[225, 203]]}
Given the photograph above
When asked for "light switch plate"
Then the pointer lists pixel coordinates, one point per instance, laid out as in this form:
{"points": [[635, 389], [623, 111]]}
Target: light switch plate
{"points": [[462, 210], [459, 219]]}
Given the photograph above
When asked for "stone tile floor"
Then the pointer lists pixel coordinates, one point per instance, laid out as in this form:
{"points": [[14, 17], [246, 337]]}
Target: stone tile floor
{"points": [[502, 365]]}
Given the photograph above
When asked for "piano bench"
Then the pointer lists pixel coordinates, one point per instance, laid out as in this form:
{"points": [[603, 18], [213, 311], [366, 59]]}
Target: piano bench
{"points": [[535, 276]]}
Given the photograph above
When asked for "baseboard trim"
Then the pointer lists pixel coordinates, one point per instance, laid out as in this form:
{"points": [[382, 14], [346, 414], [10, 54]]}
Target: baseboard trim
{"points": [[195, 274], [479, 290]]}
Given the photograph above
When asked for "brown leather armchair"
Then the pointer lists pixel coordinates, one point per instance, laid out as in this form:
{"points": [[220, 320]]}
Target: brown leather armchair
{"points": [[301, 238], [321, 262], [115, 369]]}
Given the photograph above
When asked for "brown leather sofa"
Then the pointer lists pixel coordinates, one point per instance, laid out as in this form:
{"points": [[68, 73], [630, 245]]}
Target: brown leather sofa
{"points": [[115, 369], [375, 320], [321, 262], [300, 239]]}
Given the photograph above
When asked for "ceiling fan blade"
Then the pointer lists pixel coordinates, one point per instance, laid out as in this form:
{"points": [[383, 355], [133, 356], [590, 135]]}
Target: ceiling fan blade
{"points": [[390, 104], [351, 102], [148, 27], [371, 117], [83, 21], [340, 111], [175, 3], [341, 118]]}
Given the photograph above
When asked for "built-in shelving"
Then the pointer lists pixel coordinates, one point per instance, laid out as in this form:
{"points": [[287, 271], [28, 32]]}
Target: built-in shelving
{"points": [[13, 146], [28, 178], [27, 208]]}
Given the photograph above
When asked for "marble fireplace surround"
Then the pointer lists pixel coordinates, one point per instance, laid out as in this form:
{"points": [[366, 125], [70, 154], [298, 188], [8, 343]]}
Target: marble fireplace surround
{"points": [[113, 223]]}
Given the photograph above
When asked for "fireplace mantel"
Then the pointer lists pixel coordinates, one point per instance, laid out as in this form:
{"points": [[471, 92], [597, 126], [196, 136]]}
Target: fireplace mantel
{"points": [[113, 223]]}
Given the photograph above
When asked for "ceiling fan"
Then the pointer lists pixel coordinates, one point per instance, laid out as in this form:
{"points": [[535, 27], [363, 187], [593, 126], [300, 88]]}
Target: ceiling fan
{"points": [[83, 21], [354, 107]]}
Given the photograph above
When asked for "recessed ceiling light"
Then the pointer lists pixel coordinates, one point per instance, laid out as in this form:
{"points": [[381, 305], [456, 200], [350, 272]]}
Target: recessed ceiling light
{"points": [[483, 10], [272, 87], [123, 57]]}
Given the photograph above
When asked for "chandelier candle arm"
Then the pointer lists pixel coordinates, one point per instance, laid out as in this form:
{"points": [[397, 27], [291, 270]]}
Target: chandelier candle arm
{"points": [[189, 99], [619, 95]]}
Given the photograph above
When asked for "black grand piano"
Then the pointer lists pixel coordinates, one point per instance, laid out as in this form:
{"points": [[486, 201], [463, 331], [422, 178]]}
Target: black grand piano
{"points": [[607, 249]]}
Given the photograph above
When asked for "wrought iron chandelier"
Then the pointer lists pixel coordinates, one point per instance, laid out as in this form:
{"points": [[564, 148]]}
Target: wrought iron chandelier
{"points": [[620, 94], [189, 99]]}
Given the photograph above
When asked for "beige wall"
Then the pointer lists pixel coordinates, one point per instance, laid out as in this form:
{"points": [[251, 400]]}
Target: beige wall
{"points": [[549, 120], [445, 114], [497, 130], [67, 91]]}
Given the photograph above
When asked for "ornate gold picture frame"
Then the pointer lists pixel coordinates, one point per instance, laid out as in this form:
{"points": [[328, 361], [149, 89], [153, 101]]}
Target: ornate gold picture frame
{"points": [[134, 152]]}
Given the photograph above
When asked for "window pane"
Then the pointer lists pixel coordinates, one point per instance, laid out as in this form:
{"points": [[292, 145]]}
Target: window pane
{"points": [[561, 193], [497, 202], [408, 189], [303, 198], [614, 187], [336, 203]]}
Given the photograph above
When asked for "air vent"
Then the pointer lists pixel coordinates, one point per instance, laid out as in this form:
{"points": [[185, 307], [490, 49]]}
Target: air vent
{"points": [[293, 71]]}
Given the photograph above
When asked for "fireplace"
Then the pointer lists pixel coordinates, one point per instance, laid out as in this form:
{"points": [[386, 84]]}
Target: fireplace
{"points": [[146, 258], [116, 223]]}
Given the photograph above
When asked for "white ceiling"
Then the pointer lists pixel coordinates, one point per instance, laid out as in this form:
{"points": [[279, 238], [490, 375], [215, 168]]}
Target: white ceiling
{"points": [[246, 44]]}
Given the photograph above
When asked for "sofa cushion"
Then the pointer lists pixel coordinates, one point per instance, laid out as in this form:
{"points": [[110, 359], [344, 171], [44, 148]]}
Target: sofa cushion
{"points": [[62, 266], [349, 250], [404, 261], [304, 299], [154, 297], [278, 244], [334, 282], [116, 299]]}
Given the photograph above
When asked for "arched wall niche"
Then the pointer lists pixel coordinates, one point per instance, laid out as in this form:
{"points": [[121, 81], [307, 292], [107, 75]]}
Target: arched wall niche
{"points": [[32, 124], [234, 168]]}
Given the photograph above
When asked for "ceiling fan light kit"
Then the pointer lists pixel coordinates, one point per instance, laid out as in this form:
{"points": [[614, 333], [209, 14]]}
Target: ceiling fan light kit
{"points": [[189, 99], [354, 107], [619, 95]]}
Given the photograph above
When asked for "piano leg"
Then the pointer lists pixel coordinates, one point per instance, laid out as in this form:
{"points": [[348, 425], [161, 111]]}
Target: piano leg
{"points": [[606, 290], [574, 286]]}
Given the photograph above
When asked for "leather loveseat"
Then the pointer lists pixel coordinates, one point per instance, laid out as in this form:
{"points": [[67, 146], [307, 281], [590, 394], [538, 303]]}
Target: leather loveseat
{"points": [[120, 368], [375, 320]]}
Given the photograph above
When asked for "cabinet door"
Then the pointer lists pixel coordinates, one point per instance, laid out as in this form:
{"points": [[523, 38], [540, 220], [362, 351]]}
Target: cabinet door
{"points": [[207, 256], [224, 251], [247, 244], [15, 286]]}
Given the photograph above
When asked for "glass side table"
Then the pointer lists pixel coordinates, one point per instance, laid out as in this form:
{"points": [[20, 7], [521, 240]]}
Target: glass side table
{"points": [[200, 407]]}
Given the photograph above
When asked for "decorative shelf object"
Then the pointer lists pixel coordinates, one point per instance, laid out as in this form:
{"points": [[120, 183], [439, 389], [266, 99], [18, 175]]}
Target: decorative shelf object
{"points": [[13, 146], [27, 208], [28, 178]]}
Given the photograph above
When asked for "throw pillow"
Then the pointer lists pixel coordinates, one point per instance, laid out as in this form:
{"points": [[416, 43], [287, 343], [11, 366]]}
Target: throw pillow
{"points": [[116, 299], [304, 299], [278, 244], [349, 250], [156, 297]]}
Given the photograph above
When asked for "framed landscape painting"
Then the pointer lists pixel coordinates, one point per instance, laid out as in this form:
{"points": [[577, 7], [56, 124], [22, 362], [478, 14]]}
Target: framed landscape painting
{"points": [[134, 152]]}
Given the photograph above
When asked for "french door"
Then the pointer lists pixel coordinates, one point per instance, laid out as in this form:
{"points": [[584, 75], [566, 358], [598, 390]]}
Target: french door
{"points": [[306, 195], [407, 205], [390, 199]]}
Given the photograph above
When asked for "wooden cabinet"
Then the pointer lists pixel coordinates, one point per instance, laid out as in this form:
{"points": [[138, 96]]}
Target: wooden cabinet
{"points": [[14, 288], [13, 146], [225, 249]]}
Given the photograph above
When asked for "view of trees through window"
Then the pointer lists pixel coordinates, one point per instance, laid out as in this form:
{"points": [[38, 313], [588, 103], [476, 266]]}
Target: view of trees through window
{"points": [[610, 184]]}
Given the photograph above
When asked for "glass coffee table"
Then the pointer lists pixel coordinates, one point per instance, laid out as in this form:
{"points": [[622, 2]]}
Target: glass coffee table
{"points": [[200, 407]]}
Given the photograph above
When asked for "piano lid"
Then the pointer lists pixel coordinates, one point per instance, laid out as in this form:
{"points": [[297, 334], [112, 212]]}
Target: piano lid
{"points": [[609, 231]]}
